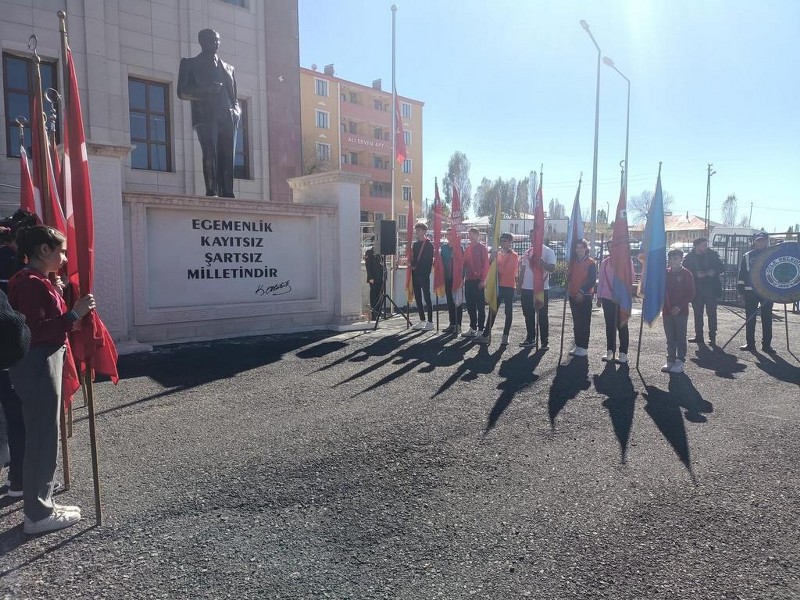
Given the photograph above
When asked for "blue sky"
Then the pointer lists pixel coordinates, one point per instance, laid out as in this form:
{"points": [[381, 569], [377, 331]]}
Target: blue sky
{"points": [[511, 83]]}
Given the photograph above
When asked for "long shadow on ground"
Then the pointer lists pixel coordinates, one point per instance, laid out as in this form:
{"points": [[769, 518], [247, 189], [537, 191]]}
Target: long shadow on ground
{"points": [[664, 407], [470, 368], [183, 367], [518, 372], [569, 381], [617, 385], [723, 364], [778, 368]]}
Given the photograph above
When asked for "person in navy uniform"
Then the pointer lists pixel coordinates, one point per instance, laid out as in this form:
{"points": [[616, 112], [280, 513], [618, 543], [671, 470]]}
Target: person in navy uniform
{"points": [[706, 267], [375, 274], [752, 300], [210, 85]]}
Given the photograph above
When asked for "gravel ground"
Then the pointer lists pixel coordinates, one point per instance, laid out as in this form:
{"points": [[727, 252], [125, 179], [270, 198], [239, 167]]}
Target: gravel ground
{"points": [[403, 464]]}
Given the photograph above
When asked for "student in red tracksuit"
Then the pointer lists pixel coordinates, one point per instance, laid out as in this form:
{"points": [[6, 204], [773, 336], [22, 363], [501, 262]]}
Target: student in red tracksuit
{"points": [[476, 268], [507, 267], [38, 376], [679, 293], [582, 279]]}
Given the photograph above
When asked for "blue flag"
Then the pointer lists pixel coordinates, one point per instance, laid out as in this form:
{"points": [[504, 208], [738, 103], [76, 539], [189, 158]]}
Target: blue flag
{"points": [[575, 231], [654, 248]]}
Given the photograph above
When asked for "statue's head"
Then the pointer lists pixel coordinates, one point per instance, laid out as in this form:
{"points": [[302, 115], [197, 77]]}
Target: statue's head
{"points": [[209, 40]]}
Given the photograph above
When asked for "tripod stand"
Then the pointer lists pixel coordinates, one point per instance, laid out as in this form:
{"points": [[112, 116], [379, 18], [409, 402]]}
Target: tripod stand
{"points": [[384, 298]]}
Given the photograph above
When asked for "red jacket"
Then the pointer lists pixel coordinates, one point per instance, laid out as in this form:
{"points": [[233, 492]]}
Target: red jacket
{"points": [[680, 291], [32, 294], [476, 262]]}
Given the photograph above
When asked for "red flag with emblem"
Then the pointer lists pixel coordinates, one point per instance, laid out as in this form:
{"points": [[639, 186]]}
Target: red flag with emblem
{"points": [[536, 251]]}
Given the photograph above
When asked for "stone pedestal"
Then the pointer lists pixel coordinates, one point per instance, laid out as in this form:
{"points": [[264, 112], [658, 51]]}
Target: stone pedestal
{"points": [[342, 190]]}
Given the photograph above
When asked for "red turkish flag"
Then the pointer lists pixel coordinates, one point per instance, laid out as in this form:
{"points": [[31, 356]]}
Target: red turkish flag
{"points": [[27, 197], [92, 345], [399, 135]]}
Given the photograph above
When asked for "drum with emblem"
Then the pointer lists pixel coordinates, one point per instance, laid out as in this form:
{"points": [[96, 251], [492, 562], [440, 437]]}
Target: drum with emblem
{"points": [[775, 273]]}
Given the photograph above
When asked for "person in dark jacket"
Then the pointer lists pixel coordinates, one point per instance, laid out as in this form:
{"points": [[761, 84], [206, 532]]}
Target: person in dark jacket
{"points": [[752, 300], [706, 267], [452, 255], [421, 265], [375, 274]]}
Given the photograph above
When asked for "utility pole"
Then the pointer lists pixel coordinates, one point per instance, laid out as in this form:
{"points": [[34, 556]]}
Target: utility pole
{"points": [[750, 218], [708, 198]]}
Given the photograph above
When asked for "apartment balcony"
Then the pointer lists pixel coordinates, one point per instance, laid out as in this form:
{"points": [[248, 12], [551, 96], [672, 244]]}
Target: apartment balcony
{"points": [[358, 143], [367, 114], [375, 174]]}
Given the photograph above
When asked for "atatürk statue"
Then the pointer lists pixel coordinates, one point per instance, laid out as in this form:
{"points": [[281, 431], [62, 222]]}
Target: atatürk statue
{"points": [[210, 85]]}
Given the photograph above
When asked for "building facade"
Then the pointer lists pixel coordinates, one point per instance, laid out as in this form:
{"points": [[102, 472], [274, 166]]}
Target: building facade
{"points": [[348, 126]]}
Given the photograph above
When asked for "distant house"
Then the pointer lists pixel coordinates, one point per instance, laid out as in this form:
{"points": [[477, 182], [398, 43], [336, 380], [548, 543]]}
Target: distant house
{"points": [[679, 228]]}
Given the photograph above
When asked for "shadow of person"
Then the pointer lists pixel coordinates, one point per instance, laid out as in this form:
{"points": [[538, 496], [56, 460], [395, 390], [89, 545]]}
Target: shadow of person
{"points": [[686, 395], [518, 372], [321, 350], [778, 368], [570, 379], [616, 384], [723, 364], [665, 411], [483, 362]]}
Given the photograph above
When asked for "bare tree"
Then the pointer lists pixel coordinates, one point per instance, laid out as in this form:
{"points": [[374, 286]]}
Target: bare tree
{"points": [[729, 210], [556, 210], [639, 206], [458, 174]]}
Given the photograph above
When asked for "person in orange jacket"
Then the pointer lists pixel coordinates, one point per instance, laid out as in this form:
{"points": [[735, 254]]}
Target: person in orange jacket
{"points": [[507, 267]]}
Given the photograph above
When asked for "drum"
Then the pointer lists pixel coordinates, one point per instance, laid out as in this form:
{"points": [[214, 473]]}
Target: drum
{"points": [[775, 273]]}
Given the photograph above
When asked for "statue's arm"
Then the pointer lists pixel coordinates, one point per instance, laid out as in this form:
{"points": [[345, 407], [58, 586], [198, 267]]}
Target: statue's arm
{"points": [[187, 87], [236, 108]]}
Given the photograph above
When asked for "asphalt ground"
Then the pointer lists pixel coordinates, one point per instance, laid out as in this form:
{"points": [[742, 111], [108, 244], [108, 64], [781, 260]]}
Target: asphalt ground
{"points": [[405, 464]]}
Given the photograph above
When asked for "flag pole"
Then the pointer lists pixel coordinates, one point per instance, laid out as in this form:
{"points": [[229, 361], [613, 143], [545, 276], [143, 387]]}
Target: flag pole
{"points": [[394, 153], [88, 386]]}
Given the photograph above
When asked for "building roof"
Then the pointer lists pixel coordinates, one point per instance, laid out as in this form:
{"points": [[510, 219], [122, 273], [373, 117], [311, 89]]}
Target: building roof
{"points": [[366, 88], [682, 222]]}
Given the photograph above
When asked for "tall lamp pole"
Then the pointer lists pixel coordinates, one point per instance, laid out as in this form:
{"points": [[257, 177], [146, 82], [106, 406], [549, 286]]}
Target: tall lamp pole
{"points": [[611, 64], [593, 233]]}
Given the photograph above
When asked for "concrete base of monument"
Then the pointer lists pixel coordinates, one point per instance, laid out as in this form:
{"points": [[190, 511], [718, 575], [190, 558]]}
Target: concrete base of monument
{"points": [[124, 348]]}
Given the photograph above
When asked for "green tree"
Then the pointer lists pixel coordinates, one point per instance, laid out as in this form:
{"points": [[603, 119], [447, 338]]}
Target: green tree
{"points": [[458, 174]]}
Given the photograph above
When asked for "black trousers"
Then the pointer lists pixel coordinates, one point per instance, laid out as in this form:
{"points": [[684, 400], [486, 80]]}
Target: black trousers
{"points": [[454, 312], [611, 316], [217, 137], [505, 296], [422, 287], [530, 313], [15, 427], [476, 304], [751, 303], [375, 295], [705, 299], [581, 320]]}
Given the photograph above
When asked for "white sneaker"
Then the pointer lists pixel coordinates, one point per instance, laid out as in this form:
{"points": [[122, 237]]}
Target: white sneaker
{"points": [[418, 326], [504, 340], [609, 356], [667, 366], [57, 520], [469, 333], [580, 351], [66, 508], [677, 367], [428, 326], [622, 358]]}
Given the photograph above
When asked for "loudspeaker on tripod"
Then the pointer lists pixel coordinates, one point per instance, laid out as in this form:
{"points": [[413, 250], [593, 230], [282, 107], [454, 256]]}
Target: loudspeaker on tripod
{"points": [[386, 237]]}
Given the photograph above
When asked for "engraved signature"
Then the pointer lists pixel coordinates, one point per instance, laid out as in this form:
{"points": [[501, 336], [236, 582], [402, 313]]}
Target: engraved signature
{"points": [[278, 289]]}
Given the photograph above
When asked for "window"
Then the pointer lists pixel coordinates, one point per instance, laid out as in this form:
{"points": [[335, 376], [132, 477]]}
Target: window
{"points": [[242, 3], [322, 87], [364, 216], [380, 216], [353, 97], [380, 189], [407, 165], [406, 193], [405, 109], [322, 119], [377, 133], [407, 137], [18, 86], [345, 159], [323, 152], [149, 116], [241, 156], [353, 127], [377, 104], [377, 162], [353, 158], [402, 223]]}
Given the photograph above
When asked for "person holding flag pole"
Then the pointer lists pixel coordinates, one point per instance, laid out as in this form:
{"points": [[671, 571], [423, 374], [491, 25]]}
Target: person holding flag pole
{"points": [[654, 274], [438, 267], [616, 282], [535, 267], [574, 233], [581, 278], [452, 256]]}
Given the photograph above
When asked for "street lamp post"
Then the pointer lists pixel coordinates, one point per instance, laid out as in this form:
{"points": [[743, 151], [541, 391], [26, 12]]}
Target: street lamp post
{"points": [[593, 234], [611, 64]]}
